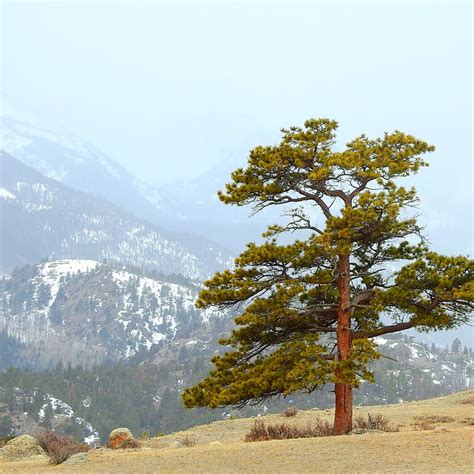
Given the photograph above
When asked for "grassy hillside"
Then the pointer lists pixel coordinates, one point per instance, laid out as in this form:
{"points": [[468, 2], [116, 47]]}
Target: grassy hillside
{"points": [[410, 450]]}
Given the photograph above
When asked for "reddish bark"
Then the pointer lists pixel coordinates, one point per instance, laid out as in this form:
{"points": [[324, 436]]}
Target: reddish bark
{"points": [[343, 392]]}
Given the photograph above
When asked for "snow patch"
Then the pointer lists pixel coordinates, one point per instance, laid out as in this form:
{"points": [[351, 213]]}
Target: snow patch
{"points": [[7, 195]]}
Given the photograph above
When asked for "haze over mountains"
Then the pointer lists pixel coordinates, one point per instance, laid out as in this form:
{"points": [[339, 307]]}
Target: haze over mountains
{"points": [[188, 207]]}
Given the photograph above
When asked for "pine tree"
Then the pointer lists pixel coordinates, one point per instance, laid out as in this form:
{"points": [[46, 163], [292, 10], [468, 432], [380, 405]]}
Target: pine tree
{"points": [[456, 345], [309, 310]]}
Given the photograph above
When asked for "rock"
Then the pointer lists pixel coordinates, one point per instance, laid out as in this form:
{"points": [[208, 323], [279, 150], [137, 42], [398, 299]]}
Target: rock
{"points": [[175, 445], [76, 458], [440, 428], [21, 447], [120, 438], [215, 443], [359, 431]]}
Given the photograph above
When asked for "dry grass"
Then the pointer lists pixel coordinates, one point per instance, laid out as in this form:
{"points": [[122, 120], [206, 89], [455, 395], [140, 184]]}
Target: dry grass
{"points": [[416, 452], [467, 401], [405, 451], [261, 432]]}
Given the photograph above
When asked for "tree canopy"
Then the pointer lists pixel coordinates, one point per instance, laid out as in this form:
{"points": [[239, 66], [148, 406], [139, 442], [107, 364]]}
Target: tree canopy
{"points": [[359, 267]]}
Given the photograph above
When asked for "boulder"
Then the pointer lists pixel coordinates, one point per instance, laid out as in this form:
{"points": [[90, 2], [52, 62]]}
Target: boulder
{"points": [[21, 447], [440, 428], [175, 445], [215, 443], [76, 458], [121, 438]]}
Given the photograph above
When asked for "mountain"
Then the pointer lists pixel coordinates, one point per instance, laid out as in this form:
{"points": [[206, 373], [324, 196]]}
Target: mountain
{"points": [[42, 218], [189, 206], [86, 312], [145, 396], [78, 164]]}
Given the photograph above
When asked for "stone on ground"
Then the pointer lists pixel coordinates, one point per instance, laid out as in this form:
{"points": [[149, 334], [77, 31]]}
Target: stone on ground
{"points": [[215, 443], [175, 445], [76, 458], [21, 447], [120, 437]]}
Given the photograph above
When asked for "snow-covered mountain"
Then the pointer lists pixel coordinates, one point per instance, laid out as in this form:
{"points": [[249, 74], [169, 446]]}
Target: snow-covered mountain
{"points": [[86, 312], [78, 164], [42, 218], [411, 370], [187, 206]]}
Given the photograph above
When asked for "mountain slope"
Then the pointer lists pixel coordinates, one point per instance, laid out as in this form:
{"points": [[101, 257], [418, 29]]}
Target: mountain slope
{"points": [[219, 447], [78, 164], [187, 206], [85, 312], [41, 218]]}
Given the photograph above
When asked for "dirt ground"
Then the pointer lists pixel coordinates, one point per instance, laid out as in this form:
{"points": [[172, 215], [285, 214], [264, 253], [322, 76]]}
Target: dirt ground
{"points": [[408, 450]]}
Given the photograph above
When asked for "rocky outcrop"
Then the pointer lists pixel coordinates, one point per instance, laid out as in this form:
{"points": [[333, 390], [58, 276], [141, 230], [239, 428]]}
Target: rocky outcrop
{"points": [[21, 447], [121, 438]]}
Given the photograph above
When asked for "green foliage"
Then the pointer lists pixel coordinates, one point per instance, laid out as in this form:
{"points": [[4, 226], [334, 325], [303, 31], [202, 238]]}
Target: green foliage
{"points": [[289, 295]]}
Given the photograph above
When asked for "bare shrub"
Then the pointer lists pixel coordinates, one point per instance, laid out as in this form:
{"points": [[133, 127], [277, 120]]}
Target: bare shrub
{"points": [[290, 411], [435, 418], [59, 448], [468, 401], [374, 422], [188, 441], [422, 425], [262, 432], [469, 421]]}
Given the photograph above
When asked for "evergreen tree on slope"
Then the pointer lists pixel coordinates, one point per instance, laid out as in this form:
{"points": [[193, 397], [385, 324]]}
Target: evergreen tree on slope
{"points": [[309, 310]]}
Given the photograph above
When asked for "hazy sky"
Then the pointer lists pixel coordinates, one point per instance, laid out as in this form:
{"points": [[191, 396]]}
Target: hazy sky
{"points": [[169, 89], [172, 89]]}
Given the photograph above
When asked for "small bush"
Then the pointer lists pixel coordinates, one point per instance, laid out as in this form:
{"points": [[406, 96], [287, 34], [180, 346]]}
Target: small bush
{"points": [[262, 432], [468, 401], [59, 448], [374, 422], [435, 418], [188, 441], [422, 425], [290, 411], [468, 421], [144, 436]]}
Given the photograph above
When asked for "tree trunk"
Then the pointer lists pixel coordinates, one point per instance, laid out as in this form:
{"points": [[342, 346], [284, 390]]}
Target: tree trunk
{"points": [[343, 392]]}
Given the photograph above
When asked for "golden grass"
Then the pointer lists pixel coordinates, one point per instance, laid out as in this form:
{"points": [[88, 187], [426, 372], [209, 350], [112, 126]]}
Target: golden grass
{"points": [[405, 451]]}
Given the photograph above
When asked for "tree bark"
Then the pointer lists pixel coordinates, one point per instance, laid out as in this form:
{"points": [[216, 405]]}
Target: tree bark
{"points": [[343, 391]]}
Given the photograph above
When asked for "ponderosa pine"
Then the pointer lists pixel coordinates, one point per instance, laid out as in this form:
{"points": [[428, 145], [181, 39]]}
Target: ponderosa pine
{"points": [[309, 310]]}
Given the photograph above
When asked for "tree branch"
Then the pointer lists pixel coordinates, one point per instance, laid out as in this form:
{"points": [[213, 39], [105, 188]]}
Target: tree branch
{"points": [[383, 330]]}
